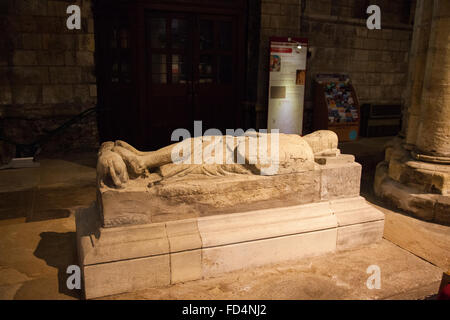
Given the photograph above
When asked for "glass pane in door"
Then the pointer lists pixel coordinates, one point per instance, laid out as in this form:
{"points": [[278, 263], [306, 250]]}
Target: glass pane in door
{"points": [[123, 38], [225, 70], [179, 29], [205, 69], [120, 52], [225, 35], [113, 42], [115, 70], [159, 68], [158, 32], [179, 69], [206, 33]]}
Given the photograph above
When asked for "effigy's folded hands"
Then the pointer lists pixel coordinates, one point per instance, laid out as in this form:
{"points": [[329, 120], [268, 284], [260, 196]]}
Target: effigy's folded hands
{"points": [[111, 168], [133, 161]]}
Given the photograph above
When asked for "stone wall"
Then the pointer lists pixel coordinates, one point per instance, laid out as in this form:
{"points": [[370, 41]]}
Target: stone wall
{"points": [[278, 18], [376, 60], [46, 72]]}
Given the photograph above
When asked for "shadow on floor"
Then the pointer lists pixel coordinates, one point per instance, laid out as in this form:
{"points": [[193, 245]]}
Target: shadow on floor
{"points": [[59, 250]]}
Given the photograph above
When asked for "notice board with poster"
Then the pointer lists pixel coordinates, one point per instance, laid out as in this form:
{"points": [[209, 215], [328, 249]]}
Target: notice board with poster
{"points": [[287, 77], [336, 106]]}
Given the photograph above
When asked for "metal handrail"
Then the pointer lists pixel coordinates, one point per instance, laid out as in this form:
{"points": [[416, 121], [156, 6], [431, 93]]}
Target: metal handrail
{"points": [[33, 149]]}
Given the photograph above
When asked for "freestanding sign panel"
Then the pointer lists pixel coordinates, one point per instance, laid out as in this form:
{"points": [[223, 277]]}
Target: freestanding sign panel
{"points": [[336, 106], [287, 78]]}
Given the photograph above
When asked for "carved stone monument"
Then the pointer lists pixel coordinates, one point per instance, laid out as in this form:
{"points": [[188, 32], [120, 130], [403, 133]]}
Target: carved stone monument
{"points": [[213, 204]]}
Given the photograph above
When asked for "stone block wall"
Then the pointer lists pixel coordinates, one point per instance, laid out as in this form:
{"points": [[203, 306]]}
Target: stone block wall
{"points": [[376, 60], [278, 18], [46, 73]]}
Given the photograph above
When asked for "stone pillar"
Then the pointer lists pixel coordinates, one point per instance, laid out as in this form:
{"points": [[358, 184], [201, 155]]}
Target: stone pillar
{"points": [[415, 175], [433, 132], [417, 62]]}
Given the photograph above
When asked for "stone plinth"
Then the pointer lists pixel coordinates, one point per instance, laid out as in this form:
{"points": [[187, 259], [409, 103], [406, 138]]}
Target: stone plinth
{"points": [[129, 258], [422, 189], [145, 237]]}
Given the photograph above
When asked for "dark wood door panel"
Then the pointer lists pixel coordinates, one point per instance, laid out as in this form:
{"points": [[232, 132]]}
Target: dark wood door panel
{"points": [[115, 71], [216, 78], [206, 90], [183, 61], [171, 113], [216, 107]]}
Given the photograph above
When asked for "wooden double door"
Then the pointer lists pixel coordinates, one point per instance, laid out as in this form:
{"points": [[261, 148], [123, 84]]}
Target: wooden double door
{"points": [[161, 65], [192, 73]]}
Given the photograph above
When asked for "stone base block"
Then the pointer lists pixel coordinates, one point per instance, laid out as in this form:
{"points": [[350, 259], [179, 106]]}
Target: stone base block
{"points": [[186, 266], [126, 275], [129, 258], [427, 206], [217, 260], [423, 177], [359, 235]]}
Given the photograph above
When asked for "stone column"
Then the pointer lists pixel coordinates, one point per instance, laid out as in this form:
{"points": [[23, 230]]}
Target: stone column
{"points": [[417, 62], [415, 175], [433, 132]]}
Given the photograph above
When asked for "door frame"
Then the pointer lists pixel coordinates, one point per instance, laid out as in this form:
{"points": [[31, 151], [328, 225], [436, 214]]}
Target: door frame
{"points": [[135, 10], [236, 8]]}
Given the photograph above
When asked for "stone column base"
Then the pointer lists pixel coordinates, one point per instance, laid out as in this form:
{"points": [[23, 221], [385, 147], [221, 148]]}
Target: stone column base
{"points": [[420, 188]]}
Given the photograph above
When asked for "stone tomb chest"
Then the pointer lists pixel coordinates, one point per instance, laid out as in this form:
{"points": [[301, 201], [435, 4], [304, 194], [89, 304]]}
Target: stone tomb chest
{"points": [[155, 224]]}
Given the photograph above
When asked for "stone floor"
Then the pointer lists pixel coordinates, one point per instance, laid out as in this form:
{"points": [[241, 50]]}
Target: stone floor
{"points": [[37, 243], [336, 276]]}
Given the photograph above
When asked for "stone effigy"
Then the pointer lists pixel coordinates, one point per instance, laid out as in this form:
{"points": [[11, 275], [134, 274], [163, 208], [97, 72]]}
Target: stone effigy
{"points": [[213, 204], [219, 181], [294, 154]]}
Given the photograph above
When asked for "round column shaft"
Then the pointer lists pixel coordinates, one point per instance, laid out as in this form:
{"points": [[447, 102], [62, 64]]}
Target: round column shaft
{"points": [[433, 138]]}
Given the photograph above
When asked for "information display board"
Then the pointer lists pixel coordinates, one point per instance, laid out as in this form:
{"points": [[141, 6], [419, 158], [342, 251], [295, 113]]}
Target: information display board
{"points": [[336, 106], [287, 77]]}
